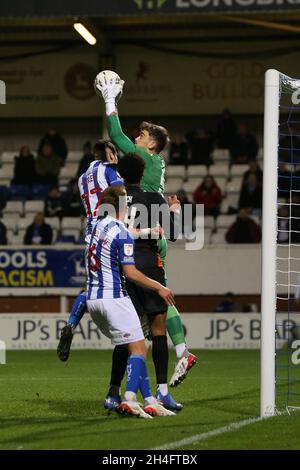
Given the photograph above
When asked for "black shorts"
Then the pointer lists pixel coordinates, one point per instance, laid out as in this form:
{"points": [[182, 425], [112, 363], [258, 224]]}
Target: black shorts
{"points": [[147, 301]]}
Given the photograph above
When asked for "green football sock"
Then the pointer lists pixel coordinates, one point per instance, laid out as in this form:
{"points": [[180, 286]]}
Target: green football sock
{"points": [[174, 326], [174, 323]]}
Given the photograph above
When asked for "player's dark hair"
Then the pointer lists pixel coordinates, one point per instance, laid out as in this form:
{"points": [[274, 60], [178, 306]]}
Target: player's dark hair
{"points": [[158, 133], [131, 168], [100, 147], [114, 196]]}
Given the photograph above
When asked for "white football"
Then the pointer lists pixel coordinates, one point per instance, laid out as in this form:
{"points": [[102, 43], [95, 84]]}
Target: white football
{"points": [[107, 77]]}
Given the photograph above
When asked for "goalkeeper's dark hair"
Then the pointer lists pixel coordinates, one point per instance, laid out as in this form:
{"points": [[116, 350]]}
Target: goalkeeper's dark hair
{"points": [[99, 150], [113, 199], [158, 133], [131, 168]]}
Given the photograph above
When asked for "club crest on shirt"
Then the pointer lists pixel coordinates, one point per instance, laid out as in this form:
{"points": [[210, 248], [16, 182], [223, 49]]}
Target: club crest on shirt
{"points": [[128, 249]]}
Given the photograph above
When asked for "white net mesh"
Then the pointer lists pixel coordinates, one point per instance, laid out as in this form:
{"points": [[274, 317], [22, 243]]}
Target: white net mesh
{"points": [[288, 248]]}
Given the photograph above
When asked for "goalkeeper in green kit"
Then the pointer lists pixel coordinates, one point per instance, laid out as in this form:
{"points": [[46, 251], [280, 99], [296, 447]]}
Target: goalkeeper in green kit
{"points": [[148, 145]]}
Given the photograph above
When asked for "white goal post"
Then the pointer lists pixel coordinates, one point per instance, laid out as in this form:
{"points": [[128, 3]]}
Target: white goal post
{"points": [[269, 236]]}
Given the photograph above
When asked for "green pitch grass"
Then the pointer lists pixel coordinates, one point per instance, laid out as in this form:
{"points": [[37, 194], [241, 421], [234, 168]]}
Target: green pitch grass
{"points": [[45, 404]]}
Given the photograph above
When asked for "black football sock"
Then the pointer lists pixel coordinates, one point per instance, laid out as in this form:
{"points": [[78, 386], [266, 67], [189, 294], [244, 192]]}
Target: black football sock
{"points": [[118, 369], [160, 355]]}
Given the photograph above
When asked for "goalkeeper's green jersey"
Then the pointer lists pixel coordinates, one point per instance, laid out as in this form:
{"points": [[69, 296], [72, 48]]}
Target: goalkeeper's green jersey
{"points": [[154, 173]]}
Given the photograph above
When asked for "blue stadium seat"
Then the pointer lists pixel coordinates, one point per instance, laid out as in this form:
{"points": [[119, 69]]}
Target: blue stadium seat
{"points": [[19, 192], [65, 239], [39, 191]]}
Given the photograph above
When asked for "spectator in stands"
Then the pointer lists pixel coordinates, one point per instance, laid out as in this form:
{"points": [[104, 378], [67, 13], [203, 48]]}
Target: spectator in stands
{"points": [[3, 196], [38, 233], [227, 305], [178, 154], [54, 203], [24, 171], [209, 194], [244, 147], [57, 142], [186, 206], [254, 168], [226, 130], [72, 200], [243, 230], [201, 144], [47, 166], [3, 236], [251, 195], [86, 160]]}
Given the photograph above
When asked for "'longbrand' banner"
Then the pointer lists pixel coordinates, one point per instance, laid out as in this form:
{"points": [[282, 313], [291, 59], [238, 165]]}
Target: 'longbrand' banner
{"points": [[135, 7]]}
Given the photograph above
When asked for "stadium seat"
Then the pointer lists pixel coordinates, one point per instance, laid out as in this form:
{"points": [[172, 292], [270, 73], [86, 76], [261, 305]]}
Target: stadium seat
{"points": [[175, 170], [19, 192], [231, 200], [24, 222], [9, 235], [207, 236], [4, 181], [53, 222], [238, 170], [190, 185], [221, 182], [209, 222], [33, 207], [10, 222], [67, 172], [6, 173], [225, 220], [8, 157], [71, 233], [70, 223], [220, 155], [234, 186], [219, 170], [173, 184], [260, 155], [196, 170], [14, 207], [66, 239], [74, 156], [8, 167], [40, 191], [17, 239], [218, 237]]}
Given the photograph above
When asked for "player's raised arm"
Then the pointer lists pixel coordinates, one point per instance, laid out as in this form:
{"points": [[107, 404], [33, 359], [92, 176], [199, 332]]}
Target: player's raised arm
{"points": [[109, 85]]}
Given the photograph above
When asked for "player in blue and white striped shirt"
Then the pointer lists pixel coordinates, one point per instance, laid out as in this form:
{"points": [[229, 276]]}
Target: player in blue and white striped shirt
{"points": [[109, 259], [100, 175]]}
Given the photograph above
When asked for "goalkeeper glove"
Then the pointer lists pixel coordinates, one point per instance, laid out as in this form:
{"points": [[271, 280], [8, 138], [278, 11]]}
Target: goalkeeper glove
{"points": [[110, 89]]}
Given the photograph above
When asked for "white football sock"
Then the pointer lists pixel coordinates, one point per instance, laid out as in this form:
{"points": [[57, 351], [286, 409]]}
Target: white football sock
{"points": [[163, 388], [130, 396], [180, 350]]}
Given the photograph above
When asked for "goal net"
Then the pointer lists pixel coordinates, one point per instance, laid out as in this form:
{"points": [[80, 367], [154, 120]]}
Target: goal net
{"points": [[280, 340]]}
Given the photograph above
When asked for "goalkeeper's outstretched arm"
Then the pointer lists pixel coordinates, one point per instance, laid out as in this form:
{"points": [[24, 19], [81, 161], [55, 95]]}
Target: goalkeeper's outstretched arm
{"points": [[117, 135], [110, 86]]}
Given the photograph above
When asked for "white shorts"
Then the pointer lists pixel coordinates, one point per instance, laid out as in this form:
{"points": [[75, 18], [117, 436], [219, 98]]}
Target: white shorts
{"points": [[117, 319]]}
